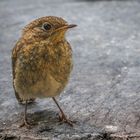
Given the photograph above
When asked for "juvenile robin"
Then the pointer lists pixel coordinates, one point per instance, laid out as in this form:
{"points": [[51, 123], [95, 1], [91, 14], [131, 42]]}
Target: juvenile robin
{"points": [[42, 62]]}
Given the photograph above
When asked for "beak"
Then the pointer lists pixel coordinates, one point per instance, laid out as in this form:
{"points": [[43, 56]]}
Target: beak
{"points": [[71, 26], [66, 27]]}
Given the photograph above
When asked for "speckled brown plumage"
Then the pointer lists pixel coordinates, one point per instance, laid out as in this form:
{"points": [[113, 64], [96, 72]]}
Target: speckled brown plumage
{"points": [[42, 59]]}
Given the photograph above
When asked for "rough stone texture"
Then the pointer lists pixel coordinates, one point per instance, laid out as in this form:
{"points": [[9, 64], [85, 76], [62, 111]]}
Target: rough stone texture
{"points": [[103, 94]]}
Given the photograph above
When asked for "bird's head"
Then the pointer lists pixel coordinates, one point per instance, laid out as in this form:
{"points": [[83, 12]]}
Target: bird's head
{"points": [[50, 27]]}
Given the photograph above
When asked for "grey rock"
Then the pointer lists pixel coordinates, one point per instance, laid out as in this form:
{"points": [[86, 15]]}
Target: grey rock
{"points": [[103, 94]]}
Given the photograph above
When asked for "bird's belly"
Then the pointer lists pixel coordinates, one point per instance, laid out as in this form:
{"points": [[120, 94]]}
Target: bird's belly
{"points": [[44, 87]]}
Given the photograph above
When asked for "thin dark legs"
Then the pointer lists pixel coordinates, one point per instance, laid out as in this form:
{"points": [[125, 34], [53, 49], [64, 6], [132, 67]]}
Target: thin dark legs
{"points": [[63, 116], [25, 121]]}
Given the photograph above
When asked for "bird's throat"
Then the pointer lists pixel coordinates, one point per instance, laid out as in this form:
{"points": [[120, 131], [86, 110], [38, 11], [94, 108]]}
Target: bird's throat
{"points": [[57, 37]]}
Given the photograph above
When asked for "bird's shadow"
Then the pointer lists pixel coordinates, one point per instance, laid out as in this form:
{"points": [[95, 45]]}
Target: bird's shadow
{"points": [[47, 121], [47, 116]]}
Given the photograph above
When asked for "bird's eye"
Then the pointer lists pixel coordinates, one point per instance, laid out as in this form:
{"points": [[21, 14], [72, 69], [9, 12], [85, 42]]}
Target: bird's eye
{"points": [[47, 26]]}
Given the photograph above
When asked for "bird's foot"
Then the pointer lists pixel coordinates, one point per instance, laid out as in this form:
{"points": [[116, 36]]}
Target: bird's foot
{"points": [[26, 124], [64, 119]]}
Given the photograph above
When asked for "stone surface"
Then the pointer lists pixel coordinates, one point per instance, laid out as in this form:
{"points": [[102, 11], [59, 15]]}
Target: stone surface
{"points": [[103, 94]]}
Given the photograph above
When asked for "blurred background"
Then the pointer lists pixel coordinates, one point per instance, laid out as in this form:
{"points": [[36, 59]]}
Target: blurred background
{"points": [[104, 89]]}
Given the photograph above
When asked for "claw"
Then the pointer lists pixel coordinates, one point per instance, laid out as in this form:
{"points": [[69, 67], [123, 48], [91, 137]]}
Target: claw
{"points": [[64, 119], [26, 124]]}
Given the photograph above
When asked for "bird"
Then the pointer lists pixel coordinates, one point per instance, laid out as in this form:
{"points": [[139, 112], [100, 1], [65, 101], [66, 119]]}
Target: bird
{"points": [[42, 62]]}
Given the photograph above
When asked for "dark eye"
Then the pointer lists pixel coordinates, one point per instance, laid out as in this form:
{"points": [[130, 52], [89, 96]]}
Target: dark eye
{"points": [[47, 26]]}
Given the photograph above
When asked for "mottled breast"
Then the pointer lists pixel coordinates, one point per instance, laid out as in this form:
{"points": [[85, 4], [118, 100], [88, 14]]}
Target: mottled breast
{"points": [[43, 69]]}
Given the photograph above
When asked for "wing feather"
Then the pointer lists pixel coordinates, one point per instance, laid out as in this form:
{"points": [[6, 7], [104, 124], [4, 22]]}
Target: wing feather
{"points": [[15, 52]]}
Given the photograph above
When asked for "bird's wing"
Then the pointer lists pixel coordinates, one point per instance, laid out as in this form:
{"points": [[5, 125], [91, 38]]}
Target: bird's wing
{"points": [[15, 52], [19, 45]]}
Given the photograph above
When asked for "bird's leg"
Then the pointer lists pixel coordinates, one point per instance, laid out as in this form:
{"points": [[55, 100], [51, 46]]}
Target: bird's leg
{"points": [[25, 121], [63, 116]]}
